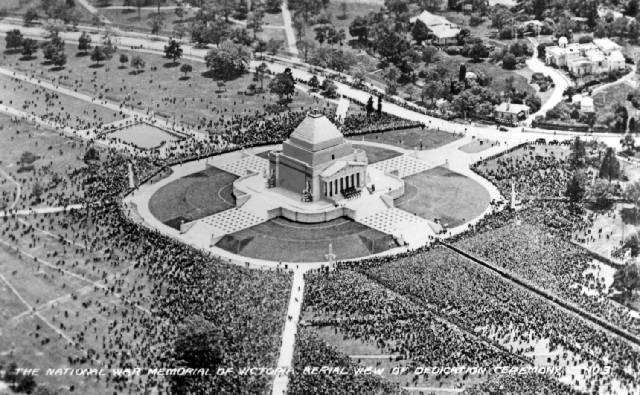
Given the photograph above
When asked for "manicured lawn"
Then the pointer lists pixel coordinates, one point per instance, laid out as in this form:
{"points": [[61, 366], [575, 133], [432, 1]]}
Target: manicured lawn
{"points": [[193, 197], [410, 138], [377, 154], [441, 193], [144, 135], [282, 240]]}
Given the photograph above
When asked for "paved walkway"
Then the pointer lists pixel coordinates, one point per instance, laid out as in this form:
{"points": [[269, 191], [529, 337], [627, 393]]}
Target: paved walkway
{"points": [[285, 360], [288, 29], [40, 210]]}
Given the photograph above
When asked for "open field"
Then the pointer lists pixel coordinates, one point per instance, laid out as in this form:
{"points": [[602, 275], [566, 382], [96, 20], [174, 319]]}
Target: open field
{"points": [[197, 100], [193, 197], [441, 193], [54, 106], [282, 240], [414, 138], [56, 156]]}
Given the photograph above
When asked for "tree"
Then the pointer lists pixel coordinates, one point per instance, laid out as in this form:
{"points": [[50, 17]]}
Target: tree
{"points": [[329, 88], [609, 167], [462, 73], [359, 75], [29, 47], [138, 63], [228, 60], [628, 142], [306, 46], [156, 22], [359, 28], [30, 15], [283, 85], [255, 21], [173, 51], [124, 59], [179, 11], [578, 154], [509, 61], [84, 42], [314, 83], [420, 32], [52, 47], [369, 106], [274, 45], [91, 155], [59, 59], [98, 55], [478, 51], [179, 30], [632, 195], [631, 8], [273, 6], [576, 187], [433, 90], [601, 194], [186, 68], [14, 39], [627, 279], [260, 74]]}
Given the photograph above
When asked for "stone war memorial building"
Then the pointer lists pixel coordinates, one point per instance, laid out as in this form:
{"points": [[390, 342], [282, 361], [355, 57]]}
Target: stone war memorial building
{"points": [[318, 163]]}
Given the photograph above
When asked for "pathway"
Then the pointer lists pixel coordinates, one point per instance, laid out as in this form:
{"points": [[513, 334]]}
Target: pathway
{"points": [[288, 29], [560, 80], [285, 360]]}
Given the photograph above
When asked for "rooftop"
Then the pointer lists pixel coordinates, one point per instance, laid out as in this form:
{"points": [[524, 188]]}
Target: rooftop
{"points": [[317, 132], [431, 20]]}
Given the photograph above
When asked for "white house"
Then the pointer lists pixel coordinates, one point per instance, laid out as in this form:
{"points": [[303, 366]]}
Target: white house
{"points": [[444, 32], [600, 56]]}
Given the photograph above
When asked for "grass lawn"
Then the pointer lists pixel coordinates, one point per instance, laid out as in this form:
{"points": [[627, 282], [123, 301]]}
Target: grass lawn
{"points": [[377, 154], [62, 108], [441, 193], [56, 156], [129, 19], [605, 100], [282, 240], [33, 344], [193, 197], [19, 7], [410, 138], [197, 100], [144, 135], [274, 19]]}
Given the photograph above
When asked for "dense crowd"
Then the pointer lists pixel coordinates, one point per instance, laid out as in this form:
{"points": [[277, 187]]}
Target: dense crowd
{"points": [[551, 263], [311, 351], [161, 282], [482, 302], [396, 323]]}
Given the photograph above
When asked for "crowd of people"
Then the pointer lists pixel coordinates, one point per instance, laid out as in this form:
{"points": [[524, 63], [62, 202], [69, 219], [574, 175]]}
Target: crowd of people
{"points": [[159, 281], [479, 301], [551, 263]]}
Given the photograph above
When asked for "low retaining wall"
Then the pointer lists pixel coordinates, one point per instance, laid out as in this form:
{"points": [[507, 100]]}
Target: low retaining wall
{"points": [[310, 218]]}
